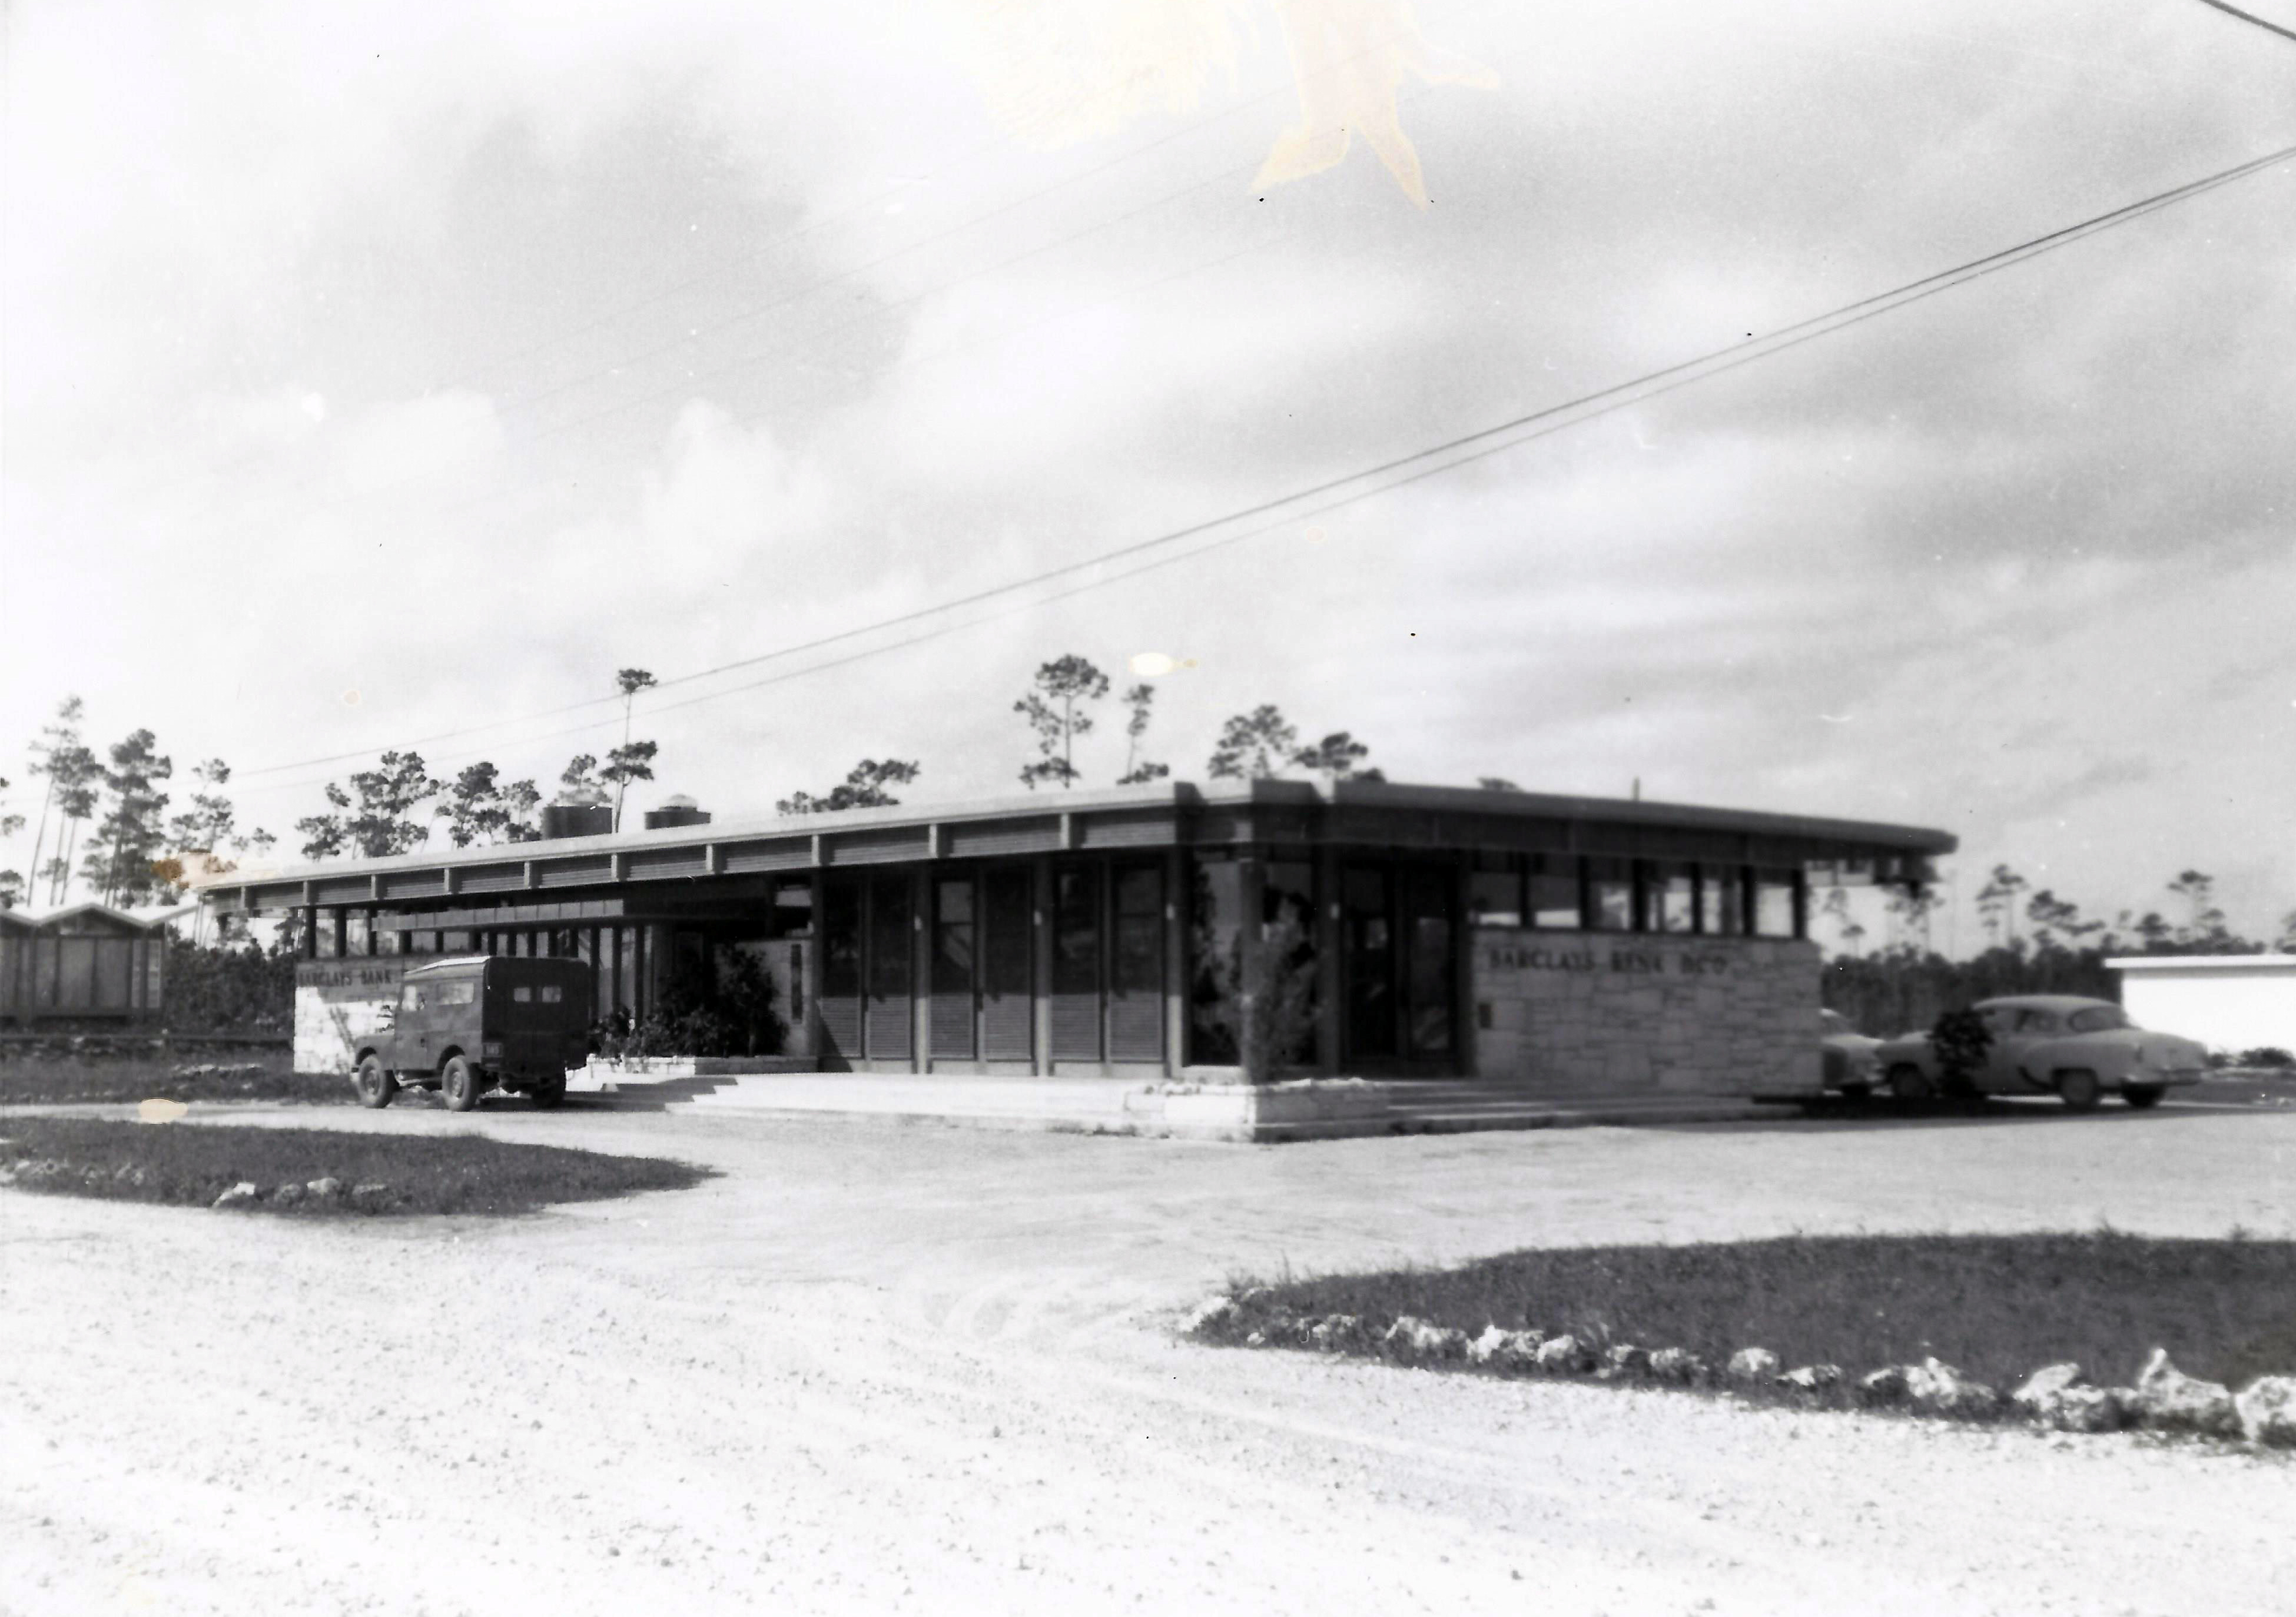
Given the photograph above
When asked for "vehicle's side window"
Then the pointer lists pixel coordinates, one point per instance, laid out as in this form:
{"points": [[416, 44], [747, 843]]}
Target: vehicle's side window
{"points": [[524, 994], [412, 999], [2036, 1022], [458, 993], [1996, 1020], [551, 994]]}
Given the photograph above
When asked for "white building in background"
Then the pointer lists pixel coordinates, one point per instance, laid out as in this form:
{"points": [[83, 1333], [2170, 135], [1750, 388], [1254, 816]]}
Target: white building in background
{"points": [[2228, 1002]]}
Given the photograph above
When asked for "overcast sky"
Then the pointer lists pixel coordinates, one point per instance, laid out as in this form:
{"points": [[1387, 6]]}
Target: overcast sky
{"points": [[377, 370]]}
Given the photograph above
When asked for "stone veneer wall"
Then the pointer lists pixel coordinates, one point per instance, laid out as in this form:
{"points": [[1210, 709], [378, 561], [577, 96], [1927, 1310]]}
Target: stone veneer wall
{"points": [[1698, 1015], [339, 1003]]}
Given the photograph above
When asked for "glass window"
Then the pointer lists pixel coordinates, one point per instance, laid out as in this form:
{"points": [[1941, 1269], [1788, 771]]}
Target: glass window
{"points": [[1495, 892], [2036, 1022], [1007, 986], [1672, 896], [1722, 897], [1367, 933], [323, 936], [1137, 966], [1214, 959], [1774, 904], [840, 940], [2102, 1019], [1429, 906], [553, 993], [410, 997], [792, 915], [458, 993], [953, 935], [888, 937], [1610, 895], [522, 994], [1075, 929], [1551, 883], [1288, 932]]}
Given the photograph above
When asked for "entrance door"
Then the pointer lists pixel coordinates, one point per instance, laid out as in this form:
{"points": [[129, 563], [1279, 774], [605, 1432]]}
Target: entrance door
{"points": [[1399, 936]]}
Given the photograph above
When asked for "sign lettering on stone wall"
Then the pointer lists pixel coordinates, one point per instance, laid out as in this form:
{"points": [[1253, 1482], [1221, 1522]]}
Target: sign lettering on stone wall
{"points": [[1644, 962]]}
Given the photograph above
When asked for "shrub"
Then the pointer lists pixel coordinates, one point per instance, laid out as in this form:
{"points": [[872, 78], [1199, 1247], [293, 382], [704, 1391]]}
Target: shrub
{"points": [[1960, 1040], [2267, 1055], [215, 989], [728, 1011]]}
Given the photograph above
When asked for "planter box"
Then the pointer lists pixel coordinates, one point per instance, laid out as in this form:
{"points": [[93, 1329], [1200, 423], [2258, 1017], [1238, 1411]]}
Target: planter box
{"points": [[1275, 1111]]}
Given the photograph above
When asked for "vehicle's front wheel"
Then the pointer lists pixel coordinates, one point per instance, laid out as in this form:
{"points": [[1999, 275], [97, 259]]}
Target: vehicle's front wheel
{"points": [[550, 1091], [1908, 1083], [2143, 1097], [460, 1081], [375, 1086], [2078, 1089]]}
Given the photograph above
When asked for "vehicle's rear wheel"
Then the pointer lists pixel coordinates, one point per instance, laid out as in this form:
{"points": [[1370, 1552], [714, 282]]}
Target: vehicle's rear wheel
{"points": [[460, 1081], [2078, 1089], [2143, 1096], [375, 1086], [549, 1091], [1908, 1083]]}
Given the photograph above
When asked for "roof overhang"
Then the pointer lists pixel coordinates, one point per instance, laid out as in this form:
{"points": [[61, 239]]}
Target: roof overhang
{"points": [[1165, 814]]}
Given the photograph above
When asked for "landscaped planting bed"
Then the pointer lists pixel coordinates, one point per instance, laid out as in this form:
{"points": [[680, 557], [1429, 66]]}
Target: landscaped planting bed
{"points": [[2133, 1330], [314, 1172], [229, 1075]]}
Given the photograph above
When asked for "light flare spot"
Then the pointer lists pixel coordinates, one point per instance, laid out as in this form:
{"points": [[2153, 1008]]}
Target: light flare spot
{"points": [[159, 1110]]}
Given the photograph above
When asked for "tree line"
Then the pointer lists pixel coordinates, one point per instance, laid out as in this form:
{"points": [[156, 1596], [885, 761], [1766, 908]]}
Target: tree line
{"points": [[2037, 943]]}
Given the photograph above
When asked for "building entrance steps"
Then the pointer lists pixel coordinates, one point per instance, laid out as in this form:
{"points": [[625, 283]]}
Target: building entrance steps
{"points": [[1304, 1110]]}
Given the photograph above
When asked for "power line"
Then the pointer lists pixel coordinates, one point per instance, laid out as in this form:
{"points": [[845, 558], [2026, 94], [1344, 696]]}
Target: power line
{"points": [[2233, 10], [1445, 456]]}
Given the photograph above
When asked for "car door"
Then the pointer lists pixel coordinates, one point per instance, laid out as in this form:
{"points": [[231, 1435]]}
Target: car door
{"points": [[2022, 1051], [1999, 1072], [412, 1048]]}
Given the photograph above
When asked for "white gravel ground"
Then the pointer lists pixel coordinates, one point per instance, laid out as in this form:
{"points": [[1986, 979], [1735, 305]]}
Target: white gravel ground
{"points": [[877, 1368]]}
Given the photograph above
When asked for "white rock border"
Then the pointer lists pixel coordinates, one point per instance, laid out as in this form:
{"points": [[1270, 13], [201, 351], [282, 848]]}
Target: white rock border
{"points": [[2055, 1396]]}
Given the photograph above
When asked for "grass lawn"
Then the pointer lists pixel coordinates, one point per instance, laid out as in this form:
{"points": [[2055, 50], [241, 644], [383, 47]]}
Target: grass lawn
{"points": [[262, 1075], [190, 1165], [1998, 1307]]}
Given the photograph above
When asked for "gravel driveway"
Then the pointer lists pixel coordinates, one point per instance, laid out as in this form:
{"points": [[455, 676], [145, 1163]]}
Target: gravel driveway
{"points": [[879, 1367]]}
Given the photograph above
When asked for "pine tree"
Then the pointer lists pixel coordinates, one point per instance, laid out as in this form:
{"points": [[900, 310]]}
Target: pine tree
{"points": [[1140, 699], [127, 843], [632, 760], [865, 787], [1052, 709], [378, 824], [1254, 746]]}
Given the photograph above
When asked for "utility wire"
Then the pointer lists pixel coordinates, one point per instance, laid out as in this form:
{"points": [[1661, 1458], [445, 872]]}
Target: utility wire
{"points": [[2233, 10], [1448, 455]]}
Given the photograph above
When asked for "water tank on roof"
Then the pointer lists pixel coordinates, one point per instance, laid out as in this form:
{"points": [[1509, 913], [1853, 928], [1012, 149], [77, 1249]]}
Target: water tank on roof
{"points": [[679, 810], [576, 819]]}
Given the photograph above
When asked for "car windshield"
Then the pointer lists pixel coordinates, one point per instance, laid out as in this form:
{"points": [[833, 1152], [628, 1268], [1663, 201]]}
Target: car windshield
{"points": [[2099, 1019]]}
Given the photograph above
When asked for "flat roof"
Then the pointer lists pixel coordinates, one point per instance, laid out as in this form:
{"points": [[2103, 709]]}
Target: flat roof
{"points": [[1161, 814], [2204, 963]]}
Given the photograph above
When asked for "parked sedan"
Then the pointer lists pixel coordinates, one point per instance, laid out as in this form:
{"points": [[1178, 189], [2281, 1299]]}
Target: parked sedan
{"points": [[2042, 1044], [1846, 1055]]}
